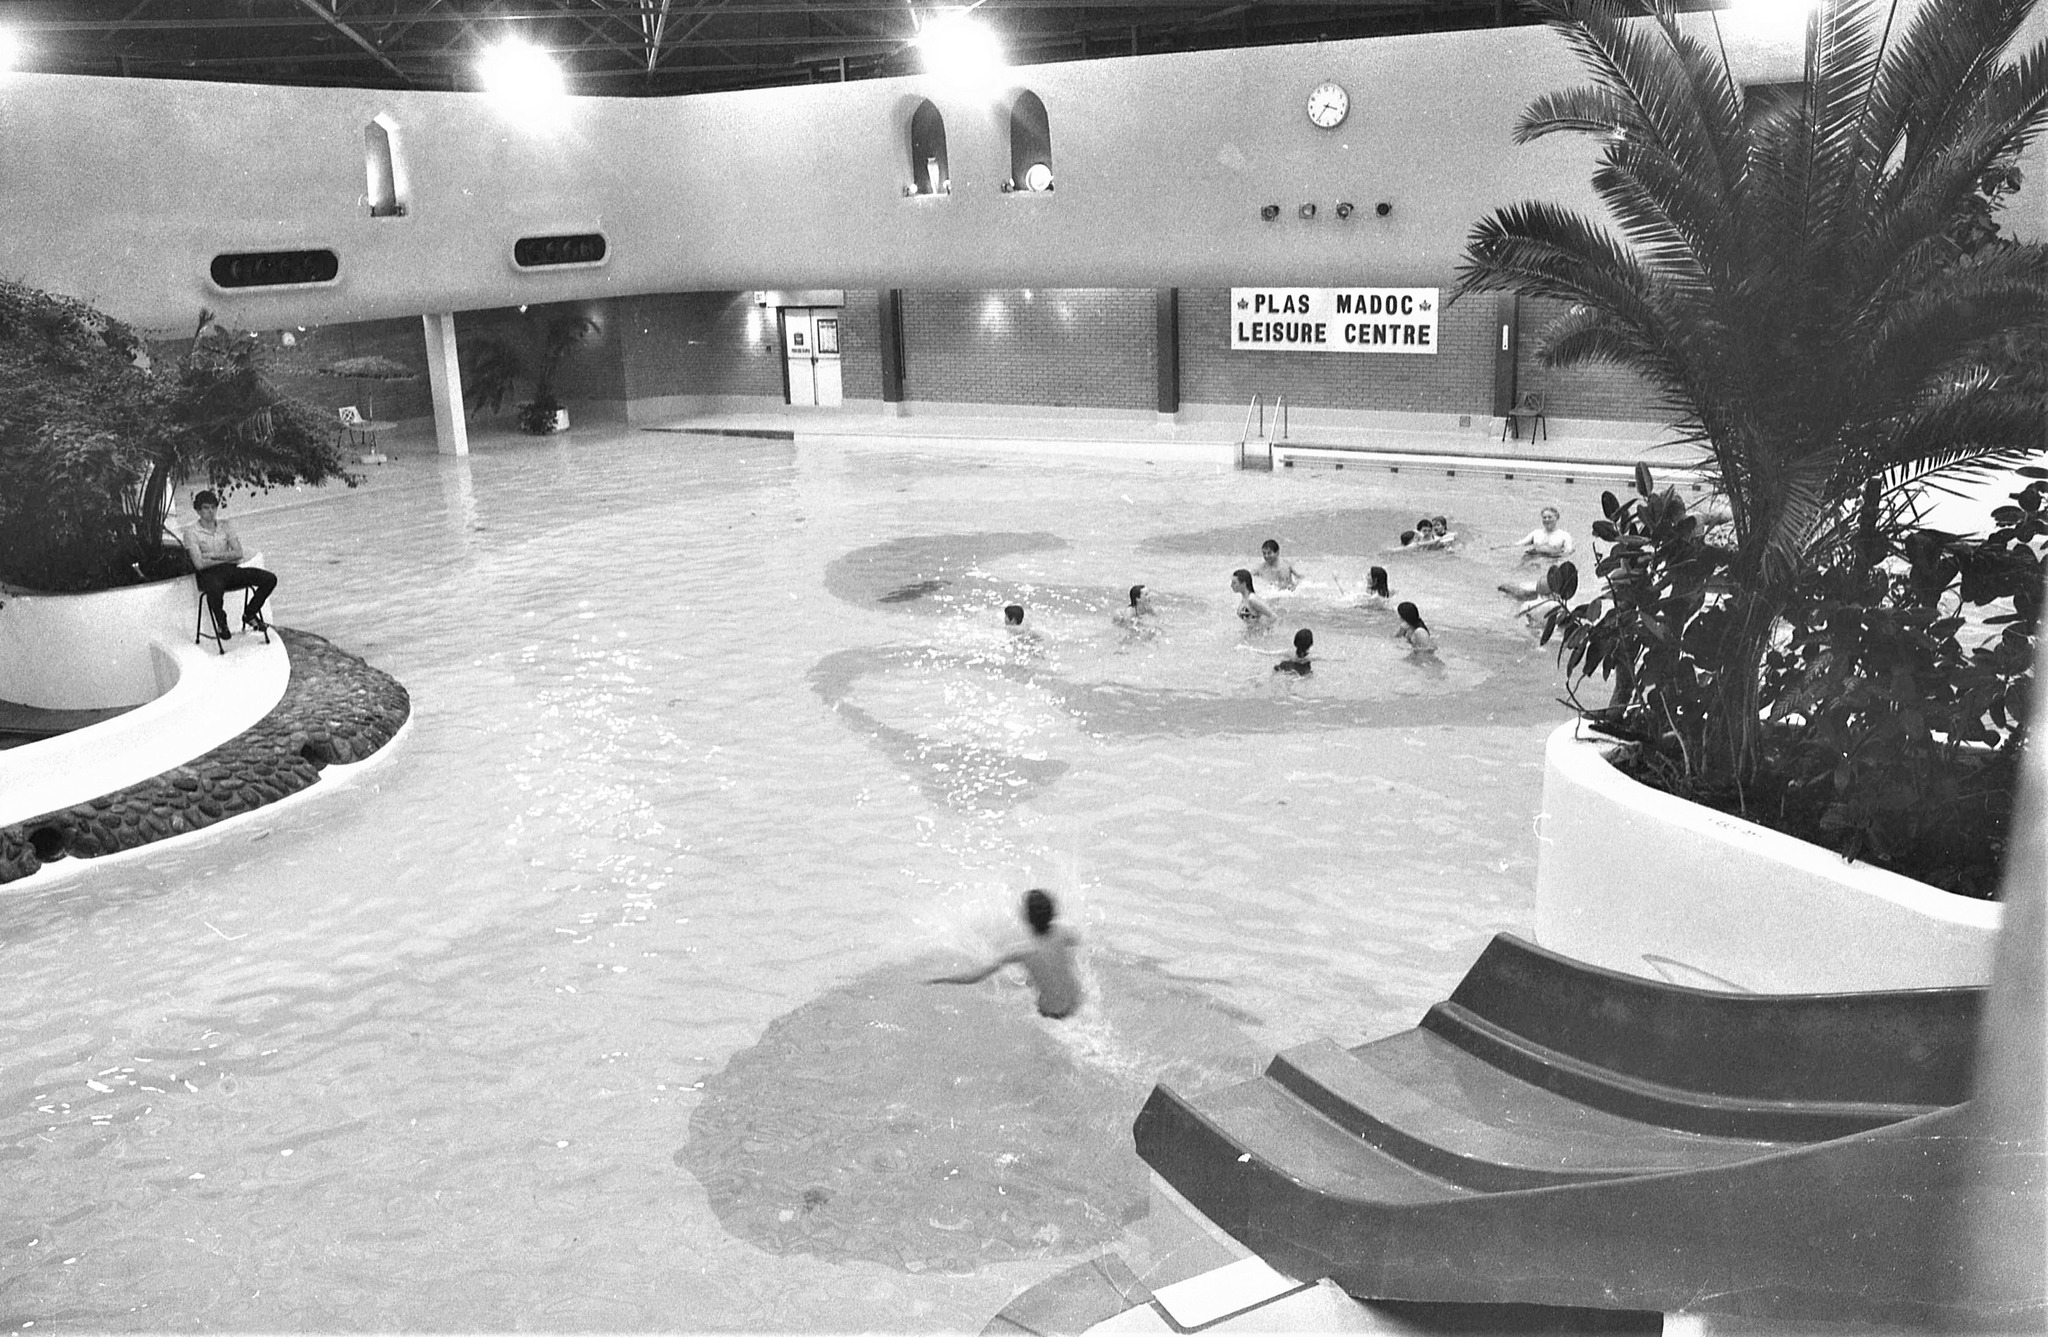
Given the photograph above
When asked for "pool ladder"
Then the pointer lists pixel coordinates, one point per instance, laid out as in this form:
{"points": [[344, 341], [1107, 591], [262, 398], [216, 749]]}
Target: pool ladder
{"points": [[1249, 458]]}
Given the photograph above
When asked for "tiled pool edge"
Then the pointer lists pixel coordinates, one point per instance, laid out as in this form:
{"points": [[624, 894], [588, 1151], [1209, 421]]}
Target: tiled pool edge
{"points": [[336, 709]]}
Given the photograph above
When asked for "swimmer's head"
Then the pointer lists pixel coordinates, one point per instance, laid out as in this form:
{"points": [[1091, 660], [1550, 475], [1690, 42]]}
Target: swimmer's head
{"points": [[1376, 581], [1137, 593], [1443, 526], [1549, 517], [1425, 530], [1013, 615], [1241, 577], [1411, 615], [1038, 910], [1270, 549], [1407, 537], [1303, 639]]}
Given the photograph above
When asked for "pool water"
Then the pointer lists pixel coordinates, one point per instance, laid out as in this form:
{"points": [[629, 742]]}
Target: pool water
{"points": [[598, 1003]]}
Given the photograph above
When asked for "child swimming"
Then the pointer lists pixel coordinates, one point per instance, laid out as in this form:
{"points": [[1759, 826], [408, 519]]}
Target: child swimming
{"points": [[1048, 959], [1297, 663]]}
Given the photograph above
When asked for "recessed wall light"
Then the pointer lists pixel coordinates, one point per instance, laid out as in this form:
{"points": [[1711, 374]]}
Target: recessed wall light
{"points": [[1308, 211], [1270, 212]]}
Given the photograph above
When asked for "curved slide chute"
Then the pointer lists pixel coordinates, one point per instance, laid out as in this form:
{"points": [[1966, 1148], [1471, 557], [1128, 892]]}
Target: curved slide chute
{"points": [[1556, 1133]]}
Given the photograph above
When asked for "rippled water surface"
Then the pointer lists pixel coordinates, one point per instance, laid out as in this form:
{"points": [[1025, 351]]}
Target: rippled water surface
{"points": [[596, 1005]]}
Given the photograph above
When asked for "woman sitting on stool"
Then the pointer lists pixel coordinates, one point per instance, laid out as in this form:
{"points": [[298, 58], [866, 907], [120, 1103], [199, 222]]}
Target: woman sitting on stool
{"points": [[217, 565]]}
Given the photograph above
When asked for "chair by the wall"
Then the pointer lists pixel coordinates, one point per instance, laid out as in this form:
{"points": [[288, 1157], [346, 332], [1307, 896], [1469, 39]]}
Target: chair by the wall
{"points": [[1528, 408]]}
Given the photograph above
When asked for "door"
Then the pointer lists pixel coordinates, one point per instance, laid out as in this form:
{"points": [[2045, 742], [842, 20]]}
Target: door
{"points": [[810, 346], [798, 350], [825, 366]]}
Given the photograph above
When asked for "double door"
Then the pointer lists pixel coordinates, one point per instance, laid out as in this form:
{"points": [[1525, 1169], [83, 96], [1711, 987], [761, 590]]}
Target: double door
{"points": [[810, 346]]}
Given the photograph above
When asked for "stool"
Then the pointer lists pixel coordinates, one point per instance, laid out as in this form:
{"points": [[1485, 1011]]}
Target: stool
{"points": [[202, 631]]}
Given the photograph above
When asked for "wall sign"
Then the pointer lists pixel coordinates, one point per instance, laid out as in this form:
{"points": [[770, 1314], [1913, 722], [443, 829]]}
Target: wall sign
{"points": [[1334, 320]]}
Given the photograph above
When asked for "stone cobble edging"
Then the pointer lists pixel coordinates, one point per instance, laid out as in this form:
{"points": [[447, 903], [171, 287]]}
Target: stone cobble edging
{"points": [[335, 709]]}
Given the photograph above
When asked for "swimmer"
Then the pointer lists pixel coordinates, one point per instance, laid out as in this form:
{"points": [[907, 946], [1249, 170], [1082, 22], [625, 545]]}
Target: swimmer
{"points": [[1378, 593], [1281, 574], [1139, 607], [1251, 609], [1028, 639], [1297, 663], [1444, 537], [1547, 543], [1048, 959], [1414, 630]]}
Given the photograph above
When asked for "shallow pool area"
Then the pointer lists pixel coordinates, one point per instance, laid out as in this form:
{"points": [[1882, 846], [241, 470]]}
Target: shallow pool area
{"points": [[598, 1004]]}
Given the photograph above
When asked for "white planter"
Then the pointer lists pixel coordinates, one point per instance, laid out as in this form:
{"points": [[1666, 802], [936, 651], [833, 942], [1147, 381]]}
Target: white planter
{"points": [[92, 651], [1633, 879]]}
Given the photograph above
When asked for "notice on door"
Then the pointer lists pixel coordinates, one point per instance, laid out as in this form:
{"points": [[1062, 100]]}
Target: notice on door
{"points": [[1334, 320]]}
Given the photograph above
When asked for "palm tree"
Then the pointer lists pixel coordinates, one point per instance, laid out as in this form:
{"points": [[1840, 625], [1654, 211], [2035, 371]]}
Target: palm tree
{"points": [[1783, 275]]}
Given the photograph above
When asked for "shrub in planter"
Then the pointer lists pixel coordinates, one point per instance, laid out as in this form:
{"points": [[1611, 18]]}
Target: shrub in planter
{"points": [[496, 365], [1892, 721], [93, 437]]}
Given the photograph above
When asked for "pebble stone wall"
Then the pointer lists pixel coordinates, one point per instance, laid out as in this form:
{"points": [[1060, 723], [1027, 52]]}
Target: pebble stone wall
{"points": [[335, 709]]}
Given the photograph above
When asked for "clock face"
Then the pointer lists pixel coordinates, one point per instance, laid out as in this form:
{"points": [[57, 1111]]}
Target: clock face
{"points": [[1328, 105]]}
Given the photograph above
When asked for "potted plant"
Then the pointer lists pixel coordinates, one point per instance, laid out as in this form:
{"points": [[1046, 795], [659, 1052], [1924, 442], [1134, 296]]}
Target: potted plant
{"points": [[94, 434], [532, 353], [1808, 278]]}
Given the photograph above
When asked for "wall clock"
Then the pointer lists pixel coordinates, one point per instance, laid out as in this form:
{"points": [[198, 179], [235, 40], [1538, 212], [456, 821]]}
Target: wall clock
{"points": [[1328, 105]]}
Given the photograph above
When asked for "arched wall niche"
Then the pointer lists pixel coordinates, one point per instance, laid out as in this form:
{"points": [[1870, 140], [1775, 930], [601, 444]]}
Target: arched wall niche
{"points": [[1030, 144], [929, 174]]}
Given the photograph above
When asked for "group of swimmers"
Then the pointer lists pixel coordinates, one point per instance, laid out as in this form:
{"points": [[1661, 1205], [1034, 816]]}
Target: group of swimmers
{"points": [[1548, 542], [1048, 955]]}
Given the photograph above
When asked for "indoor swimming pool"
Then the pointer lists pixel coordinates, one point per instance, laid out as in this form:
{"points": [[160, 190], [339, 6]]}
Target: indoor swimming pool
{"points": [[596, 1004]]}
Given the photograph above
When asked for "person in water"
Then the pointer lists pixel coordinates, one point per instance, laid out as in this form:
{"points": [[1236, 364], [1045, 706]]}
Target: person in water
{"points": [[1251, 609], [1048, 959], [1545, 543], [1275, 570], [1378, 593], [1139, 607], [1297, 663], [1414, 630]]}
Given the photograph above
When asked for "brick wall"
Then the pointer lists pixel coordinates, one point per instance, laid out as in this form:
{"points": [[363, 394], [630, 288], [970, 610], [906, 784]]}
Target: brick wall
{"points": [[860, 345], [698, 343], [1059, 347], [1457, 378], [1590, 390]]}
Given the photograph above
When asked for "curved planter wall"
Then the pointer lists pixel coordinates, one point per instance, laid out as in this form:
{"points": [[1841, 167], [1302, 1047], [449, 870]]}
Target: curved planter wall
{"points": [[91, 651], [1636, 880]]}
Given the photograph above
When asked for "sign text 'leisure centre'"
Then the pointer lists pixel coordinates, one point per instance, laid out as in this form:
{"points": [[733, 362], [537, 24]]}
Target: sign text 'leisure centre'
{"points": [[1334, 320]]}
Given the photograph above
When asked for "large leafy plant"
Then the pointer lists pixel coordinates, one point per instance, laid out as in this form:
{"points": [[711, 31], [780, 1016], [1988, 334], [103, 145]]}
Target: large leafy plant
{"points": [[1894, 696], [94, 435], [531, 352], [1789, 275]]}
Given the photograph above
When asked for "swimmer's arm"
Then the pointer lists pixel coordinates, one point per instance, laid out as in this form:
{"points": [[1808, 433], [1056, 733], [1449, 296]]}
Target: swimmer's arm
{"points": [[976, 977]]}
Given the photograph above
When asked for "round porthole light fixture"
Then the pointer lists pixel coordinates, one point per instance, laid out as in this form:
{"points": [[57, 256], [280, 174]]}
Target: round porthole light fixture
{"points": [[1038, 176]]}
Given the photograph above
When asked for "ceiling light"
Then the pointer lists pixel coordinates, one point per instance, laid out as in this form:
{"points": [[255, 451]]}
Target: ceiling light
{"points": [[1038, 176], [520, 76], [10, 50], [960, 48]]}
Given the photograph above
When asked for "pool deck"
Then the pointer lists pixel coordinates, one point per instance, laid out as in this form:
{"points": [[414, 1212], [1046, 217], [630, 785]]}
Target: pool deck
{"points": [[1579, 451]]}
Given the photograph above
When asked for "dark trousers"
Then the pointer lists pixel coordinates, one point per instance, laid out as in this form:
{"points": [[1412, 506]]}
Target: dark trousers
{"points": [[215, 581]]}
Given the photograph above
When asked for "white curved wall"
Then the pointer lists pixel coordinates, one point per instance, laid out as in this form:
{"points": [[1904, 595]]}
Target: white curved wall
{"points": [[1635, 880], [122, 190]]}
